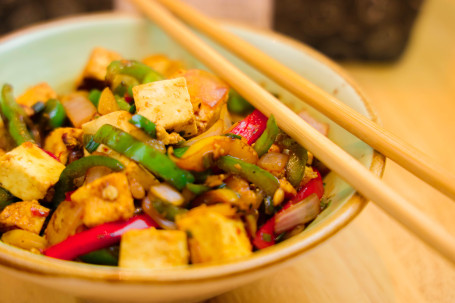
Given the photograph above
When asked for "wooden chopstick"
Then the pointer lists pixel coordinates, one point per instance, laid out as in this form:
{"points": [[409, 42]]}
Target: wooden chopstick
{"points": [[328, 152], [382, 140]]}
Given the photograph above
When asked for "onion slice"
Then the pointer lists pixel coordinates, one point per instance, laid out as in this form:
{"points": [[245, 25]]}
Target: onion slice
{"points": [[151, 211], [215, 130], [299, 213]]}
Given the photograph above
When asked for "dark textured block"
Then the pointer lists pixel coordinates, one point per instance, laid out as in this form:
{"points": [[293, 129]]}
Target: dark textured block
{"points": [[349, 29]]}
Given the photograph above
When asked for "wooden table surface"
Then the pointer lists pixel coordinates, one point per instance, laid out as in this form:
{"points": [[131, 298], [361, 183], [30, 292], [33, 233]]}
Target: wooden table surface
{"points": [[373, 259]]}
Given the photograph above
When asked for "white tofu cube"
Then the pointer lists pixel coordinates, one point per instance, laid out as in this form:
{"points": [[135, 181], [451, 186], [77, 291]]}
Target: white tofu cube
{"points": [[167, 103], [28, 171], [151, 248]]}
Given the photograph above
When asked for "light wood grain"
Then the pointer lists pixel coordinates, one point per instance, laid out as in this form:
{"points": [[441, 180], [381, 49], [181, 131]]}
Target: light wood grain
{"points": [[325, 150], [381, 139], [373, 259]]}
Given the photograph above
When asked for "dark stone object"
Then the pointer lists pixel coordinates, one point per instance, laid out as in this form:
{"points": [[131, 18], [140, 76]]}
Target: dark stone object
{"points": [[349, 29]]}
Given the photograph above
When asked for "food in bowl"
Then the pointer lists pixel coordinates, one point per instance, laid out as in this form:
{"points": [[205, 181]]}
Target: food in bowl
{"points": [[142, 167]]}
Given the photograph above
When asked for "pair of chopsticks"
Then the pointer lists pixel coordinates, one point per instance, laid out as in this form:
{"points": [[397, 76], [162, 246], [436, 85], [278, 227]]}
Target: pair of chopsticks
{"points": [[325, 150]]}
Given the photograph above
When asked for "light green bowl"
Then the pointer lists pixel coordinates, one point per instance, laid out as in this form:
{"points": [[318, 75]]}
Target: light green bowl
{"points": [[56, 52]]}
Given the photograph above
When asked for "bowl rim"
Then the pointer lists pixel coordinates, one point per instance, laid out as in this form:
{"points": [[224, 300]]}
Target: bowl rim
{"points": [[23, 261]]}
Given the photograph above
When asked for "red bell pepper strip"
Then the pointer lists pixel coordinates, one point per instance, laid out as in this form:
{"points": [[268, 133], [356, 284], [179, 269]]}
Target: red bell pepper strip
{"points": [[314, 186], [252, 127], [265, 236], [98, 237]]}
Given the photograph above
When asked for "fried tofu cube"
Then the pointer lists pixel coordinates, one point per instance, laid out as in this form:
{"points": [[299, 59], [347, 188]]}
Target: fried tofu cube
{"points": [[151, 248], [40, 92], [98, 62], [65, 222], [106, 199], [26, 215], [119, 119], [208, 94], [62, 141], [167, 104], [213, 237], [28, 171]]}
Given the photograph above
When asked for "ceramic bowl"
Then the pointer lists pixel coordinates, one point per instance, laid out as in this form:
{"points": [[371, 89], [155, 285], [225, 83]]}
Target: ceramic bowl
{"points": [[56, 52]]}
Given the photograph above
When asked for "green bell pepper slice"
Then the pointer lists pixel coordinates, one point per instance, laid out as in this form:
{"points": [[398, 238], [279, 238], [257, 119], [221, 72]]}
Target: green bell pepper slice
{"points": [[253, 173], [267, 138], [56, 113], [145, 124], [78, 169], [15, 116], [160, 165], [133, 68]]}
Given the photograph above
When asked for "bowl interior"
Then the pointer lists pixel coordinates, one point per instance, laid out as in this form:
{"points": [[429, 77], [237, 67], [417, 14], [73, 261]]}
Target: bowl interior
{"points": [[57, 52]]}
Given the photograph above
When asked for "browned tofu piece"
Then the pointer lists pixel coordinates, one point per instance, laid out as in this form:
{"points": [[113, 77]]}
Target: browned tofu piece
{"points": [[213, 237], [208, 94], [105, 200], [98, 62], [26, 215], [166, 103], [152, 248], [64, 222], [27, 171], [40, 92], [62, 141]]}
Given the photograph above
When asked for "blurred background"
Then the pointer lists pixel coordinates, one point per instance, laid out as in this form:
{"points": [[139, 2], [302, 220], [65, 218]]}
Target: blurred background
{"points": [[375, 30]]}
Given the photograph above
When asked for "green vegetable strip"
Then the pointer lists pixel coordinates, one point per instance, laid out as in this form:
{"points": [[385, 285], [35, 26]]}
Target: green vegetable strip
{"points": [[78, 169], [122, 104], [197, 188], [56, 112], [298, 156], [145, 124], [15, 116], [267, 138], [253, 173], [150, 158], [89, 143], [123, 84], [269, 208], [237, 104], [100, 257], [133, 68], [180, 151], [132, 109], [152, 76], [6, 198], [18, 130], [94, 97]]}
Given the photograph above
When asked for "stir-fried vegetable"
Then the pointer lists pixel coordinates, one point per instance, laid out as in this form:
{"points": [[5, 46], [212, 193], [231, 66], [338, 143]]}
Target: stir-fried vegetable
{"points": [[78, 169], [252, 127], [146, 155], [96, 238], [15, 115], [265, 141], [253, 173], [148, 175]]}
